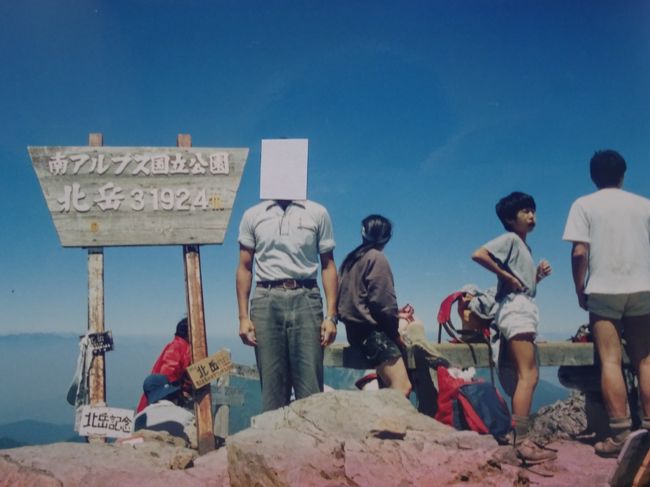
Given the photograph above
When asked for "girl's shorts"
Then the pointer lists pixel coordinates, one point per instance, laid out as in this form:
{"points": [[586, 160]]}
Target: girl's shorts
{"points": [[517, 314]]}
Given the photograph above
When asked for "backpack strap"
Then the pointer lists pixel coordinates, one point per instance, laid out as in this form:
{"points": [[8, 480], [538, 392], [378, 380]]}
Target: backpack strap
{"points": [[444, 313], [463, 336]]}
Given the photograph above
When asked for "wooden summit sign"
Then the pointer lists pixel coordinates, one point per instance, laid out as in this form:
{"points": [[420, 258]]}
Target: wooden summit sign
{"points": [[108, 196], [209, 369]]}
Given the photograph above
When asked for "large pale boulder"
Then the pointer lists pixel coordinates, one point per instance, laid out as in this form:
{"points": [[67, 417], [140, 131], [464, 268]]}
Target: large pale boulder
{"points": [[351, 438], [377, 439]]}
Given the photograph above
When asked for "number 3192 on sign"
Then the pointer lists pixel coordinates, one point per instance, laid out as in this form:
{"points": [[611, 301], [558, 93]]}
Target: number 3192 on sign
{"points": [[167, 199]]}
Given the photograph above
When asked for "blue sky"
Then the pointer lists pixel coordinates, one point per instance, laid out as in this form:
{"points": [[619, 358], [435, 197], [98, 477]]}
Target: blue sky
{"points": [[427, 112]]}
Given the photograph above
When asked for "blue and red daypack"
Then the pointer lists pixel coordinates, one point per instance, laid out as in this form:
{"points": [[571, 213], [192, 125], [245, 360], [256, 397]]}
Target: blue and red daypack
{"points": [[471, 405]]}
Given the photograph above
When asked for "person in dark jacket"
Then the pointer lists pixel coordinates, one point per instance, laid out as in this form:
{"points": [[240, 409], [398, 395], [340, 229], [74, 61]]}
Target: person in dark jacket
{"points": [[368, 306], [173, 360]]}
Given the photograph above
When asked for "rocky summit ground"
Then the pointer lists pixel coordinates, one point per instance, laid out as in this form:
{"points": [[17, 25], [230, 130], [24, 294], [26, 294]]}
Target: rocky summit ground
{"points": [[341, 438]]}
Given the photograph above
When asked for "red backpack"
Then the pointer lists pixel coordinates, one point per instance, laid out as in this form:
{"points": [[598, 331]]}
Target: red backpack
{"points": [[471, 405]]}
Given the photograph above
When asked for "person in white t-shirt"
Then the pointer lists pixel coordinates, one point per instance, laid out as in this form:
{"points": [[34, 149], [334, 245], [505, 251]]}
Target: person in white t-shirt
{"points": [[163, 412], [610, 259]]}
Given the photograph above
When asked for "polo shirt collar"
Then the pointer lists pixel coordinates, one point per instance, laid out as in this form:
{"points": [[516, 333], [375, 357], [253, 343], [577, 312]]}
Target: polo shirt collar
{"points": [[272, 203]]}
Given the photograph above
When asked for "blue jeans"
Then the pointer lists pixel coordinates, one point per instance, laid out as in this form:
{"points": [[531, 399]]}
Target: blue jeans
{"points": [[288, 353]]}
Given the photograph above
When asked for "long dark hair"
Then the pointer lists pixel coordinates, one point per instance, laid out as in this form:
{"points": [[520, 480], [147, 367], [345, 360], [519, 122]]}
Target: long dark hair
{"points": [[376, 231]]}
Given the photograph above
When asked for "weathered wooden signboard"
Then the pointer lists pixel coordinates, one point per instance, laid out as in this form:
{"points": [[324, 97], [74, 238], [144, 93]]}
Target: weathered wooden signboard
{"points": [[108, 196], [210, 368], [105, 422]]}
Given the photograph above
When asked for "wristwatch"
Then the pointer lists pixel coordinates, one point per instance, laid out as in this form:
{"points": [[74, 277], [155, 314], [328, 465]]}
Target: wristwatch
{"points": [[333, 318]]}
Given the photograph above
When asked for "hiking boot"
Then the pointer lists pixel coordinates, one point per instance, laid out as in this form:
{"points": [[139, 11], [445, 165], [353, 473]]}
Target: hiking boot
{"points": [[529, 452], [609, 448]]}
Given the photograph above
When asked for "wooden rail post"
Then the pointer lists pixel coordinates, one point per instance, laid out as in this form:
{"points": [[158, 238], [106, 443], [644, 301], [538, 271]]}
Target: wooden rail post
{"points": [[97, 378], [222, 415], [198, 341]]}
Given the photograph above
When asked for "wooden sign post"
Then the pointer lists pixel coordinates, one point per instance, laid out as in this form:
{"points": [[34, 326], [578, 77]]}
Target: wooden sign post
{"points": [[198, 340], [114, 196], [97, 379]]}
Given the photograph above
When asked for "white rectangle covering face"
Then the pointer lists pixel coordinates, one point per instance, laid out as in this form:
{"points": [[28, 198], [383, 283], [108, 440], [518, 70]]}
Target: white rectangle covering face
{"points": [[283, 172]]}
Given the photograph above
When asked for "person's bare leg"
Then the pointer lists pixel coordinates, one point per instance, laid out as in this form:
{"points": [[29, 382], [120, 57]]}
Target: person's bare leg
{"points": [[607, 340], [522, 353], [393, 373], [637, 334]]}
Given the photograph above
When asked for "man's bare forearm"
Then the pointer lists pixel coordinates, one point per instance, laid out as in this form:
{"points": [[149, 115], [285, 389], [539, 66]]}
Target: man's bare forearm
{"points": [[244, 282], [579, 265], [330, 282]]}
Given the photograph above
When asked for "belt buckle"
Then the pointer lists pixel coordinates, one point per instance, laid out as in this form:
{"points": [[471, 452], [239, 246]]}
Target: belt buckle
{"points": [[290, 284]]}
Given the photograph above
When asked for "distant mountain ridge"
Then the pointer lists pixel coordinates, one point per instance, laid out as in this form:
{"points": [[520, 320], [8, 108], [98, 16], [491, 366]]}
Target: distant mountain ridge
{"points": [[9, 443], [30, 432]]}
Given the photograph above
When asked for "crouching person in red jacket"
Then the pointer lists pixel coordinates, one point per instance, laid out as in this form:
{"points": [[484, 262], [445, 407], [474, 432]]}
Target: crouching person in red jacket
{"points": [[173, 361]]}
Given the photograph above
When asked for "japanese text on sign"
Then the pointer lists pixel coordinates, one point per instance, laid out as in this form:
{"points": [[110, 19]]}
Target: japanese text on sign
{"points": [[101, 342], [108, 422], [139, 164], [210, 368], [111, 195], [110, 198], [102, 196]]}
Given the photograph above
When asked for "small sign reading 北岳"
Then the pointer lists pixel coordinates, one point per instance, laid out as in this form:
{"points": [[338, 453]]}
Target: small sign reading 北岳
{"points": [[210, 368], [110, 196]]}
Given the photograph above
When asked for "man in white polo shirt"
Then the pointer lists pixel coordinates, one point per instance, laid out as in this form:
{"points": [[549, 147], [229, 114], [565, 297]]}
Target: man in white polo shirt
{"points": [[610, 231], [286, 241]]}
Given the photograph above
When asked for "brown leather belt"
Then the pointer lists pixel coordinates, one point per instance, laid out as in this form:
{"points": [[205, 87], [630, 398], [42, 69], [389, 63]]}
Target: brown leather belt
{"points": [[289, 283]]}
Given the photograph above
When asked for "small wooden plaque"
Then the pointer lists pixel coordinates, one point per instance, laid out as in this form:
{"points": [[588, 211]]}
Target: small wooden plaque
{"points": [[210, 368]]}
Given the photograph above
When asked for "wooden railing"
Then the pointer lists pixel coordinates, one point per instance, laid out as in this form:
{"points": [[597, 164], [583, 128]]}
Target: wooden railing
{"points": [[462, 355], [421, 356]]}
